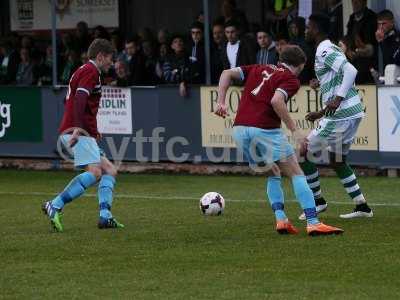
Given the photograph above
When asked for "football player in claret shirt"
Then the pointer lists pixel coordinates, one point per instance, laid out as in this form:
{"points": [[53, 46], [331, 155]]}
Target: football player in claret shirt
{"points": [[258, 134], [78, 131]]}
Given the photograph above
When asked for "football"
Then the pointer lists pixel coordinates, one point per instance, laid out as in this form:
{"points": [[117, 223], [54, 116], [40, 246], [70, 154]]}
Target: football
{"points": [[212, 204]]}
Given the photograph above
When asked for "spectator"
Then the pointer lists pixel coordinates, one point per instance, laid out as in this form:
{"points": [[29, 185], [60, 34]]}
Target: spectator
{"points": [[84, 58], [217, 46], [334, 11], [9, 61], [176, 66], [100, 32], [197, 59], [46, 68], [279, 13], [162, 36], [230, 13], [236, 53], [345, 45], [297, 29], [73, 63], [361, 29], [82, 37], [388, 40], [25, 69], [27, 42], [135, 61], [267, 54], [122, 74], [200, 18], [68, 44], [281, 42], [117, 43], [150, 62], [146, 35], [162, 56]]}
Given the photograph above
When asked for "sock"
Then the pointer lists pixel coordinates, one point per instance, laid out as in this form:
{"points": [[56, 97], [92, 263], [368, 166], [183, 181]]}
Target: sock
{"points": [[275, 197], [349, 181], [105, 194], [305, 197], [312, 175], [74, 189]]}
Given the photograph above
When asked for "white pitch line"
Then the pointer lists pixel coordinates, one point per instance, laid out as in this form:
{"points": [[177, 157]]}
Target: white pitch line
{"points": [[156, 197]]}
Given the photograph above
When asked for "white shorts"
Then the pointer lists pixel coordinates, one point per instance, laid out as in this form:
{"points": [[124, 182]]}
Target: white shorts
{"points": [[334, 136]]}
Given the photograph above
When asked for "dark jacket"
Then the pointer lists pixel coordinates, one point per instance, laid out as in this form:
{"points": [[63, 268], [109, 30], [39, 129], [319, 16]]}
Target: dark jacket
{"points": [[216, 62], [387, 49], [197, 63], [176, 69], [245, 55], [366, 27], [137, 70], [8, 75], [267, 56]]}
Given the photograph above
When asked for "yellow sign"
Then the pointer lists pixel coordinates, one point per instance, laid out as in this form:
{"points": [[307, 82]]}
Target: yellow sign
{"points": [[216, 132]]}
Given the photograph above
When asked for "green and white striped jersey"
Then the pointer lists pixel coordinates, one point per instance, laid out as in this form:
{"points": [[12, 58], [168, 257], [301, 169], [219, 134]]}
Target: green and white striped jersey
{"points": [[329, 62]]}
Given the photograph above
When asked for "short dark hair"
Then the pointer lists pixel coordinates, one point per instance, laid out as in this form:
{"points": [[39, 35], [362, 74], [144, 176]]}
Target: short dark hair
{"points": [[99, 46], [175, 36], [293, 56], [264, 29], [385, 15], [197, 25], [322, 21], [231, 23], [281, 36], [133, 39]]}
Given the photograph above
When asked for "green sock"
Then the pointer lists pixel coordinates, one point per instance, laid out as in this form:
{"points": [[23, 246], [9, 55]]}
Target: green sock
{"points": [[349, 181], [312, 176]]}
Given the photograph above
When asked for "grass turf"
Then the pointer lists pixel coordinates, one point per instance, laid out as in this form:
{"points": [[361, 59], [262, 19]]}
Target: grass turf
{"points": [[168, 250]]}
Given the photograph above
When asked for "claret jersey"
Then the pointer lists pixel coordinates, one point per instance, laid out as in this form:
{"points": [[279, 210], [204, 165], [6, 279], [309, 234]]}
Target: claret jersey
{"points": [[261, 82], [87, 80]]}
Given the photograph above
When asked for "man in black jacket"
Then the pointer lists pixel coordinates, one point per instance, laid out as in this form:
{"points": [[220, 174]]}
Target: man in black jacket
{"points": [[197, 59], [361, 30], [136, 62], [9, 61], [388, 40], [236, 52]]}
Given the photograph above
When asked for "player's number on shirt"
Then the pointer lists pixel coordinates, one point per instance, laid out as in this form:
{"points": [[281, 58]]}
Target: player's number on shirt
{"points": [[266, 76]]}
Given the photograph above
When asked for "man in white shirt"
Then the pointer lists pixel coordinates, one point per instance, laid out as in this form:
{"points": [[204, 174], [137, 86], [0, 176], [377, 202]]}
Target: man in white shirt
{"points": [[236, 52]]}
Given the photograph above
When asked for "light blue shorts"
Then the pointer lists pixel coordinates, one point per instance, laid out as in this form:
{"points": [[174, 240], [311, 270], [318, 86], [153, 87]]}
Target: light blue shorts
{"points": [[262, 146], [85, 152]]}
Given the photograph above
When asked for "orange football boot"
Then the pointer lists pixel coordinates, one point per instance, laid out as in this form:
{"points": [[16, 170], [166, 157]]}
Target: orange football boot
{"points": [[285, 227], [322, 229]]}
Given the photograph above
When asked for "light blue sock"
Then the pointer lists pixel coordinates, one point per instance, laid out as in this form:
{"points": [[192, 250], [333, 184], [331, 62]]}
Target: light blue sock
{"points": [[105, 193], [305, 196], [74, 189], [275, 197]]}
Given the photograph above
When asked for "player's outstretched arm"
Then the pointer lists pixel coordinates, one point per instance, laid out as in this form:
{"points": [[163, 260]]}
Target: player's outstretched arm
{"points": [[225, 80]]}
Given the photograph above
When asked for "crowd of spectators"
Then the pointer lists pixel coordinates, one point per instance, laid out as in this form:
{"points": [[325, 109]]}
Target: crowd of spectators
{"points": [[371, 43]]}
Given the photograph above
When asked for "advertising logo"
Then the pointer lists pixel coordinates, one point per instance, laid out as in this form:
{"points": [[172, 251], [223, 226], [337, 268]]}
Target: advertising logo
{"points": [[396, 112], [5, 114]]}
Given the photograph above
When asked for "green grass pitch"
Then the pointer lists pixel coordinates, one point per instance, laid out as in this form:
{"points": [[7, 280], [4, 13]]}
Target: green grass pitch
{"points": [[168, 250]]}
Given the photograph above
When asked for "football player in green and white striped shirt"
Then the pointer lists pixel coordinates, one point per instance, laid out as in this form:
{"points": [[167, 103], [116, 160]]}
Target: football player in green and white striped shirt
{"points": [[339, 120]]}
